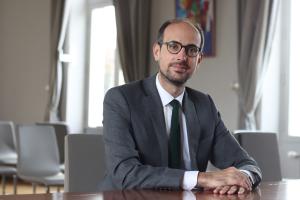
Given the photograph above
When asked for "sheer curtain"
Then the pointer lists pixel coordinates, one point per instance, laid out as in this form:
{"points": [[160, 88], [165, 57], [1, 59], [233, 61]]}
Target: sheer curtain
{"points": [[60, 10], [133, 33], [256, 32]]}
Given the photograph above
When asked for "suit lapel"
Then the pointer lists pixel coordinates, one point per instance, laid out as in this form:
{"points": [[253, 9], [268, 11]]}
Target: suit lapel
{"points": [[193, 128], [155, 112]]}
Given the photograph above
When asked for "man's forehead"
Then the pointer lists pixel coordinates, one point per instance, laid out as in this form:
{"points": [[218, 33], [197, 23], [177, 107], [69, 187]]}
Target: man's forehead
{"points": [[181, 28], [185, 24]]}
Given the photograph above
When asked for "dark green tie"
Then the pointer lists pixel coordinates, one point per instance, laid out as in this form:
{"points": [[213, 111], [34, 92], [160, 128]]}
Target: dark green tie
{"points": [[174, 139]]}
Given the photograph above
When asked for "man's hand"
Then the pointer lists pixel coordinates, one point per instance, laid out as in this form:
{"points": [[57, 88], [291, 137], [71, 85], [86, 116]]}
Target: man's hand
{"points": [[256, 194], [230, 190], [227, 181]]}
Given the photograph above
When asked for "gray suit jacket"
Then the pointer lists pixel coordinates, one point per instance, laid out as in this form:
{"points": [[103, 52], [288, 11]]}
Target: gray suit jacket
{"points": [[136, 141]]}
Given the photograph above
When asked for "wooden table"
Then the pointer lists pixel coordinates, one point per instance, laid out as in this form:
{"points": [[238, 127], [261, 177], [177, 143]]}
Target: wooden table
{"points": [[284, 190]]}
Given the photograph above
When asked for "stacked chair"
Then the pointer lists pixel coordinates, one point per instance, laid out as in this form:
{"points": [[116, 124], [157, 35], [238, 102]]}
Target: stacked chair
{"points": [[8, 154], [38, 156], [61, 130]]}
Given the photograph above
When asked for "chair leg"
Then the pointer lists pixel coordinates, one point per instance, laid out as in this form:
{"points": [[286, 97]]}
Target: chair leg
{"points": [[58, 189], [3, 182], [15, 180], [47, 189], [34, 188]]}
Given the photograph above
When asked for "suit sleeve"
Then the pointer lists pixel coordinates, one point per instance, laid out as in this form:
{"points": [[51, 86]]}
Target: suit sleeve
{"points": [[227, 152], [122, 155]]}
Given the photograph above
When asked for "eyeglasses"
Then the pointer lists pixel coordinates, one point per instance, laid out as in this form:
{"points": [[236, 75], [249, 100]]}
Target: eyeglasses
{"points": [[175, 47]]}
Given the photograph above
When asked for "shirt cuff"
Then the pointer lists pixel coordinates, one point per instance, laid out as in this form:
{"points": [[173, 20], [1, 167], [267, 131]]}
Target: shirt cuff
{"points": [[190, 180], [188, 195], [249, 174]]}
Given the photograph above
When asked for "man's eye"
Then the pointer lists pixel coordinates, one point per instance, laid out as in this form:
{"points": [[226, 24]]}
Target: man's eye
{"points": [[193, 50], [174, 46]]}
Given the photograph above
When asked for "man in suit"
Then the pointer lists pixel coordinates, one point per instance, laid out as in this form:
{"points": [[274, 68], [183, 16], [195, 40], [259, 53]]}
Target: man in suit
{"points": [[139, 131]]}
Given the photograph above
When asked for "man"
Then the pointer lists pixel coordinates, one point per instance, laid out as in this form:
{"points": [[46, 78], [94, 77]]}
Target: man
{"points": [[141, 141]]}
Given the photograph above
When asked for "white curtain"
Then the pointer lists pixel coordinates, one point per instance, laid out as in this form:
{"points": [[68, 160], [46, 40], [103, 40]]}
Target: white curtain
{"points": [[256, 32], [59, 23]]}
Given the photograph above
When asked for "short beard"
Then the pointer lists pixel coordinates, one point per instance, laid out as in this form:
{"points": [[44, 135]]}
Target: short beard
{"points": [[176, 82]]}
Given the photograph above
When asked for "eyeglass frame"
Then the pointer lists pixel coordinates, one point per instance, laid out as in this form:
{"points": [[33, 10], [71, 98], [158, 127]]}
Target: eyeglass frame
{"points": [[186, 47]]}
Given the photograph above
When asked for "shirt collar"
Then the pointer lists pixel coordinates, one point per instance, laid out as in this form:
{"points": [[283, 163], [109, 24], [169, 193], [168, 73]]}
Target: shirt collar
{"points": [[165, 96]]}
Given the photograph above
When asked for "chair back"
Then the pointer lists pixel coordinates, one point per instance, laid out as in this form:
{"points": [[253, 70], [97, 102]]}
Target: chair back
{"points": [[37, 151], [61, 130], [85, 165], [8, 154], [263, 147]]}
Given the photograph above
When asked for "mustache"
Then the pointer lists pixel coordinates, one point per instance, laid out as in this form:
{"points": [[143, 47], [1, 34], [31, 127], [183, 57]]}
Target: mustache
{"points": [[183, 63]]}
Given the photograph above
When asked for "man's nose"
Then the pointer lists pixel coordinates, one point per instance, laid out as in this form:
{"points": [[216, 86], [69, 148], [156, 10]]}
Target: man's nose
{"points": [[182, 54]]}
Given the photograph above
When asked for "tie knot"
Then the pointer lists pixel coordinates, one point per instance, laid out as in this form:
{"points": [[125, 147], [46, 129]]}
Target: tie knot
{"points": [[175, 103]]}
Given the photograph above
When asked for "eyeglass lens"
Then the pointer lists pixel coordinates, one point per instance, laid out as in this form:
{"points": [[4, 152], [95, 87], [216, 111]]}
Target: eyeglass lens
{"points": [[175, 47]]}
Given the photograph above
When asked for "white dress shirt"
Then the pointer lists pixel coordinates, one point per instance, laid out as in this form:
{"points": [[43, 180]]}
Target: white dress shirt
{"points": [[190, 177]]}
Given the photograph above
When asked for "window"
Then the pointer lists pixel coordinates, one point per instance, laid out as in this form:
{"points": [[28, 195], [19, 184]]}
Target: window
{"points": [[294, 73], [104, 71]]}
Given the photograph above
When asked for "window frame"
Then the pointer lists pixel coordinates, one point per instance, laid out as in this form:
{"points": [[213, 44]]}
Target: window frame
{"points": [[289, 58], [285, 74], [94, 4]]}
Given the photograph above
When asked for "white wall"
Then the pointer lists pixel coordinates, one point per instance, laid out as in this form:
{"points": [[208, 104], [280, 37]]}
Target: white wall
{"points": [[24, 59], [216, 74]]}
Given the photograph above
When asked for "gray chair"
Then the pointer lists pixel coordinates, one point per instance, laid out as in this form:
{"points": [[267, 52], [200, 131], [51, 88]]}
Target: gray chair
{"points": [[263, 147], [85, 164], [38, 160], [8, 154], [8, 171], [61, 130]]}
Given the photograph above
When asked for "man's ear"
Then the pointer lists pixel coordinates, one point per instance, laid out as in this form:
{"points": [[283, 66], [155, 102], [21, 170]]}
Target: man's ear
{"points": [[156, 51], [199, 61], [200, 58]]}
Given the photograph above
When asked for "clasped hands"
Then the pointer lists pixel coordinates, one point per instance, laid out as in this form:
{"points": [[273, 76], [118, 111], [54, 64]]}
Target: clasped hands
{"points": [[227, 181]]}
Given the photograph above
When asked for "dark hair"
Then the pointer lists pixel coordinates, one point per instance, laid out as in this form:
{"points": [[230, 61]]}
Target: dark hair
{"points": [[160, 35]]}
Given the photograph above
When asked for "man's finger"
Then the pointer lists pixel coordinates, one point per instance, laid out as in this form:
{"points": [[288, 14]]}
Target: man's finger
{"points": [[217, 190], [245, 182], [233, 189], [249, 184], [241, 190], [224, 190]]}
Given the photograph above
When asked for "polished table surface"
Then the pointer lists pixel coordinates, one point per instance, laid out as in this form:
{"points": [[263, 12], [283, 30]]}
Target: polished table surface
{"points": [[284, 190]]}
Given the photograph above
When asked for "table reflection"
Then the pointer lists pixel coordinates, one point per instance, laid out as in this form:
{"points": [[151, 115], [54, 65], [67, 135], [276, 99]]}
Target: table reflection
{"points": [[176, 195]]}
